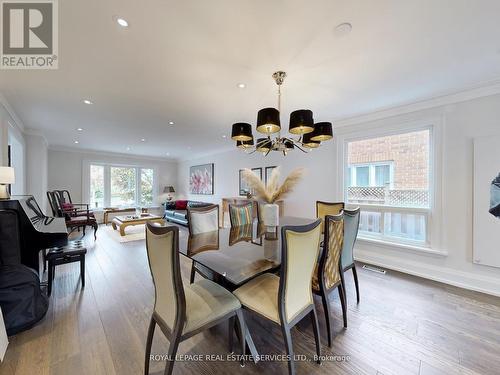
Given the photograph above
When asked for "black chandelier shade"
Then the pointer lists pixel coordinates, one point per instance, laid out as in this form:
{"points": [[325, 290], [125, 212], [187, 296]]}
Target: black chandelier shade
{"points": [[268, 121], [301, 122], [241, 131], [264, 144], [244, 144], [323, 131], [308, 142]]}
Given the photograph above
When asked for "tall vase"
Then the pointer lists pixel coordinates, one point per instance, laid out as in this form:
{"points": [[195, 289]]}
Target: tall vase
{"points": [[270, 215]]}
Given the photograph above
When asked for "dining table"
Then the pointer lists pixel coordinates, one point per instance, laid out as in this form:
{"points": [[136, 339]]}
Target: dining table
{"points": [[238, 254]]}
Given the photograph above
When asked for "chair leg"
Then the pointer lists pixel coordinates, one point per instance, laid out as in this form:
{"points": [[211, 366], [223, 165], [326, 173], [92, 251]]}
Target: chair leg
{"points": [[356, 283], [193, 273], [314, 319], [242, 325], [172, 351], [287, 336], [82, 270], [343, 303], [328, 314], [230, 332], [95, 231], [84, 227], [149, 343]]}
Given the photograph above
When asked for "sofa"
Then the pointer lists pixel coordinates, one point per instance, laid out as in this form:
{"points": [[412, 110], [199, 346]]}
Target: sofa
{"points": [[176, 211]]}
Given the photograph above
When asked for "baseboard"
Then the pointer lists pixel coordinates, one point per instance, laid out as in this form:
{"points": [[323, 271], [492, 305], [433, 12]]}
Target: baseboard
{"points": [[461, 279]]}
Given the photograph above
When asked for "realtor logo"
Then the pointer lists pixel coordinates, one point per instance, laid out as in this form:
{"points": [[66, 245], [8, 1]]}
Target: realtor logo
{"points": [[28, 34]]}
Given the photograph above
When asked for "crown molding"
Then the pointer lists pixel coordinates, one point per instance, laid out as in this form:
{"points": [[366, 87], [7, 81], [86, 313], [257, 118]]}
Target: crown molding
{"points": [[451, 97], [17, 121], [105, 153], [36, 133]]}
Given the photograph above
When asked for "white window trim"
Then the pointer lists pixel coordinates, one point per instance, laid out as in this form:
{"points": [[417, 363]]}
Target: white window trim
{"points": [[372, 176], [107, 180], [395, 126]]}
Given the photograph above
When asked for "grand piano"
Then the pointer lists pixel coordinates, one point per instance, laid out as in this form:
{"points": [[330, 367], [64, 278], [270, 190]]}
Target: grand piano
{"points": [[24, 231]]}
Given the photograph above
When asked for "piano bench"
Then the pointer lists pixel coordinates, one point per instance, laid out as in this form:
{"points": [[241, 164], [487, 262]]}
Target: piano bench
{"points": [[73, 252]]}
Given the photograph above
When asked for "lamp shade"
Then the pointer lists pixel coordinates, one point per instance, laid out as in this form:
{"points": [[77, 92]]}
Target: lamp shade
{"points": [[323, 131], [168, 189], [7, 175], [241, 131], [264, 144], [301, 122], [244, 144], [308, 142], [268, 121]]}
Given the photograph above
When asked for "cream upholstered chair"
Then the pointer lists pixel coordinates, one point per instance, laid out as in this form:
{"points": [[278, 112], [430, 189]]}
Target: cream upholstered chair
{"points": [[327, 208], [202, 220], [351, 226], [287, 299], [329, 274], [183, 311]]}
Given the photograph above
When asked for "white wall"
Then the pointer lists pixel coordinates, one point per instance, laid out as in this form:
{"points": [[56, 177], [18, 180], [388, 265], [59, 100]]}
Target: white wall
{"points": [[36, 168], [18, 158], [460, 123], [65, 169]]}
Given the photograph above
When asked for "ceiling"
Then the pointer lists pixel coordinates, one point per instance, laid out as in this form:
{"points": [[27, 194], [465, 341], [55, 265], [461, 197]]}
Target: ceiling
{"points": [[181, 61]]}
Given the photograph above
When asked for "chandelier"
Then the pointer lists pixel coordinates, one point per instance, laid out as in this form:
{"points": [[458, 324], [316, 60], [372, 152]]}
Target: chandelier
{"points": [[308, 134]]}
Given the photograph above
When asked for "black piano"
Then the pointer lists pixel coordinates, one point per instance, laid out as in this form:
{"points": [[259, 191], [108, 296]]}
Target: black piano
{"points": [[37, 231], [24, 231]]}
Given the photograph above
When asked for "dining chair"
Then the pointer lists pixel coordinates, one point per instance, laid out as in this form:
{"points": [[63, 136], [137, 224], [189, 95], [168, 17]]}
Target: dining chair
{"points": [[202, 220], [182, 311], [329, 273], [241, 213], [287, 299], [327, 208], [351, 226]]}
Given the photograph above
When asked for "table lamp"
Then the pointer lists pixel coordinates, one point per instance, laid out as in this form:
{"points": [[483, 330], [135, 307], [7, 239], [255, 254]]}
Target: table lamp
{"points": [[168, 190], [6, 178]]}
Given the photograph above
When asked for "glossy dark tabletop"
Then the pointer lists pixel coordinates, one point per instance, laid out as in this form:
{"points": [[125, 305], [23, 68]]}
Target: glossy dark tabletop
{"points": [[239, 253]]}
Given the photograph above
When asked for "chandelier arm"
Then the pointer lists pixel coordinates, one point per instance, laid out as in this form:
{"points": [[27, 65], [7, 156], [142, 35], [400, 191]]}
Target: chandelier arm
{"points": [[300, 148]]}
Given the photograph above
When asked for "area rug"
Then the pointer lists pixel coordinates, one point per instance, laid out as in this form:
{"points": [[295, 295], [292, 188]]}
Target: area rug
{"points": [[132, 233]]}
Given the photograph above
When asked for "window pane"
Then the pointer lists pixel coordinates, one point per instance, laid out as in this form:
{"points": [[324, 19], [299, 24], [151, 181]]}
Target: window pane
{"points": [[403, 225], [146, 186], [408, 154], [382, 175], [363, 176], [370, 222], [96, 186], [123, 186]]}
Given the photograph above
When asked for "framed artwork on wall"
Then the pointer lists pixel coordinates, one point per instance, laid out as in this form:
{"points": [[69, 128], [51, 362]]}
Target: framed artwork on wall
{"points": [[486, 225], [201, 179], [243, 187], [268, 172]]}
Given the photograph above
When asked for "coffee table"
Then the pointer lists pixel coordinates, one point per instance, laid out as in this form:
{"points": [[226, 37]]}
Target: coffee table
{"points": [[121, 222]]}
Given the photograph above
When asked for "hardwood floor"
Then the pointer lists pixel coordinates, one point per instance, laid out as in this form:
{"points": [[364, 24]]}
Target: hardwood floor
{"points": [[403, 325]]}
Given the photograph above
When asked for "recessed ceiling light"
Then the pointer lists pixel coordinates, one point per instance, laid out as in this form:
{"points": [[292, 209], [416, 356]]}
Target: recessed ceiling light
{"points": [[122, 22], [79, 129], [224, 136], [170, 122], [128, 148], [76, 142], [168, 154], [241, 85], [87, 101], [143, 140], [343, 29]]}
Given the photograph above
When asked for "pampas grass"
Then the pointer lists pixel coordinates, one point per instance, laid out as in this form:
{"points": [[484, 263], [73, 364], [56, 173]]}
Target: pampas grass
{"points": [[273, 192]]}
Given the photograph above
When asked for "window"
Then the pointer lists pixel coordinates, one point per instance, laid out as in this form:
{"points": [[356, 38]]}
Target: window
{"points": [[114, 185], [389, 178]]}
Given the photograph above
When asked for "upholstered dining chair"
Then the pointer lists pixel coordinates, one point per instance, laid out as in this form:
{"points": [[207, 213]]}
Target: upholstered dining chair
{"points": [[287, 299], [327, 208], [202, 220], [329, 274], [183, 311], [241, 214], [351, 226]]}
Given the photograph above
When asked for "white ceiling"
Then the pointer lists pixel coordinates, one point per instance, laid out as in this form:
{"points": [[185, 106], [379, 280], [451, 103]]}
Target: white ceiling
{"points": [[182, 61]]}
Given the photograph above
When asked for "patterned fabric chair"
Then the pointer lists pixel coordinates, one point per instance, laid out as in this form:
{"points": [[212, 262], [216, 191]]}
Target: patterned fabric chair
{"points": [[241, 214], [351, 226], [329, 274], [327, 208], [287, 299], [75, 218], [183, 311], [202, 220]]}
